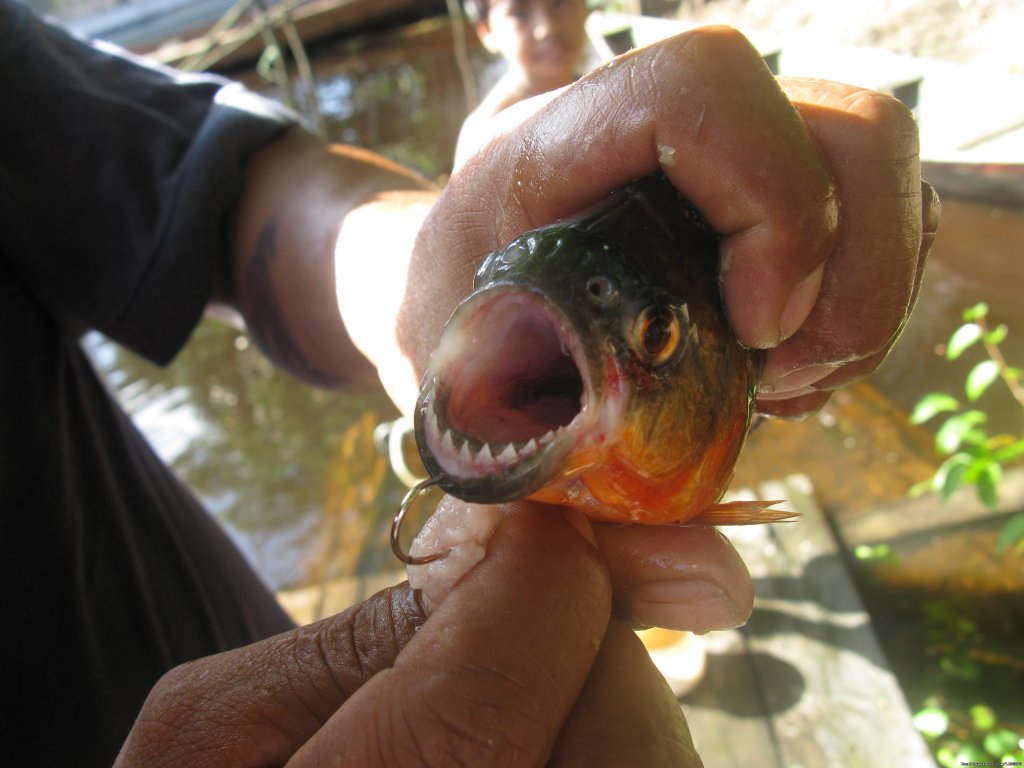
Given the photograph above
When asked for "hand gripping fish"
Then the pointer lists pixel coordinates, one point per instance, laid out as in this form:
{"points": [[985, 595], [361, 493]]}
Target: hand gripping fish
{"points": [[593, 366]]}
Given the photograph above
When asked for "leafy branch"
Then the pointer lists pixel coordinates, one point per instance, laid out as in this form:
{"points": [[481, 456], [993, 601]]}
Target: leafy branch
{"points": [[973, 456], [975, 737]]}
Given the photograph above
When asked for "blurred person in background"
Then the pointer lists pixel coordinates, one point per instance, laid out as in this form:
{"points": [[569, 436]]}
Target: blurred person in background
{"points": [[542, 42]]}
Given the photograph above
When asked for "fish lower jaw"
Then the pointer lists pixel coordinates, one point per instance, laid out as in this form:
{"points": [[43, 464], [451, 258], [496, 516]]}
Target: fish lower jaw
{"points": [[464, 456]]}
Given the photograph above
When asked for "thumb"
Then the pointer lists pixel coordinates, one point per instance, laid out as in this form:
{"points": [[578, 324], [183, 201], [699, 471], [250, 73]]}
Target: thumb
{"points": [[496, 669]]}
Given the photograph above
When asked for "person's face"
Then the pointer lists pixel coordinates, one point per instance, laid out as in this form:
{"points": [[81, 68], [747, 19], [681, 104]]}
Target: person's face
{"points": [[542, 38]]}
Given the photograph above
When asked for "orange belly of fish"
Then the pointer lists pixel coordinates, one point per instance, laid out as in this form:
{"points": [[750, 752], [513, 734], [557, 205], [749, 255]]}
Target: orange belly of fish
{"points": [[607, 486], [615, 493]]}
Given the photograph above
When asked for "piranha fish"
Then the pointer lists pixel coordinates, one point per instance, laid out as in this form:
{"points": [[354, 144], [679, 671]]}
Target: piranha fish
{"points": [[593, 366]]}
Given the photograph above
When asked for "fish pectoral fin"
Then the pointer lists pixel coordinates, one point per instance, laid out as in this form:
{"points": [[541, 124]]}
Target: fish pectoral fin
{"points": [[744, 513]]}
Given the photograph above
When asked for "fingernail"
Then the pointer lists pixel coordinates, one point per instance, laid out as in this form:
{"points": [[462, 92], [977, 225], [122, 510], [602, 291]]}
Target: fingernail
{"points": [[801, 378], [800, 303], [688, 604], [463, 531], [769, 396]]}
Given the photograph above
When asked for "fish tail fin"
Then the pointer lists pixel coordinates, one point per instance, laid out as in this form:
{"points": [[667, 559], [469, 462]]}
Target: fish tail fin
{"points": [[744, 513]]}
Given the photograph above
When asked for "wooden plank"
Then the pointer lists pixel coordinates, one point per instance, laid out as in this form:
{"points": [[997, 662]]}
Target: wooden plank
{"points": [[726, 711], [929, 513], [313, 20], [826, 692]]}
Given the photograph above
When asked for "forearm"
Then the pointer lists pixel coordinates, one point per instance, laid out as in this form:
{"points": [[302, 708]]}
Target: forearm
{"points": [[302, 200]]}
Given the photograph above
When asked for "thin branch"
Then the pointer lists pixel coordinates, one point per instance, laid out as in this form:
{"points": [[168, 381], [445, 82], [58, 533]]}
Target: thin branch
{"points": [[996, 354]]}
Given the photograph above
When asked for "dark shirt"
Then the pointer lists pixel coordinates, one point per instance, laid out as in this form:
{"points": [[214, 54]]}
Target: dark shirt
{"points": [[115, 181]]}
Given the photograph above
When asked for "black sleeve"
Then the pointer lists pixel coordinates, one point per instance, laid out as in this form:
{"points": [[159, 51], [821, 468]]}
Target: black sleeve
{"points": [[115, 180]]}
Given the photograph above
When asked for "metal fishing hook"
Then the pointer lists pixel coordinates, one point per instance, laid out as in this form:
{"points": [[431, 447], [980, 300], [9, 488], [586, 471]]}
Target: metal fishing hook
{"points": [[396, 525]]}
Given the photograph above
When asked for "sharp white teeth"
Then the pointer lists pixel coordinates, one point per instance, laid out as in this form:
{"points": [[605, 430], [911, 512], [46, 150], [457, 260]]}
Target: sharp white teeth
{"points": [[461, 448], [433, 426]]}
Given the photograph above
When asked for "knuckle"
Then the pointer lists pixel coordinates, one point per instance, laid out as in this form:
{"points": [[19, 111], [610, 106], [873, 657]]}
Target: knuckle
{"points": [[173, 687], [171, 712], [357, 644], [719, 39], [711, 53], [884, 115]]}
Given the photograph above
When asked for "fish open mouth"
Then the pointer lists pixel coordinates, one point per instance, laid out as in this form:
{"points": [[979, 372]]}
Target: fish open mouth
{"points": [[506, 393]]}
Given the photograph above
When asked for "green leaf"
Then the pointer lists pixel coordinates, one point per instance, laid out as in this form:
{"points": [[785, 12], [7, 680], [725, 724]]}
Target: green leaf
{"points": [[863, 552], [1001, 742], [920, 489], [988, 483], [976, 312], [931, 721], [980, 377], [969, 754], [932, 404], [977, 468], [976, 442], [1012, 532], [952, 477], [960, 668], [882, 552], [983, 717], [1008, 452], [997, 335], [956, 464], [962, 338], [946, 758], [956, 428]]}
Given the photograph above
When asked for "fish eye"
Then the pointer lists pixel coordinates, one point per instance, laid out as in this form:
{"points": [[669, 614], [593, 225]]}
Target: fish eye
{"points": [[601, 290], [656, 334]]}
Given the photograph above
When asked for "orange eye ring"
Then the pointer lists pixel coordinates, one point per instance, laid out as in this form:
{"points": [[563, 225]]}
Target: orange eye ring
{"points": [[656, 334]]}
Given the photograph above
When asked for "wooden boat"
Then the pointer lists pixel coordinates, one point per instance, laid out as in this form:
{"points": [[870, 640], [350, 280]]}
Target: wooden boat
{"points": [[174, 31], [999, 184]]}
